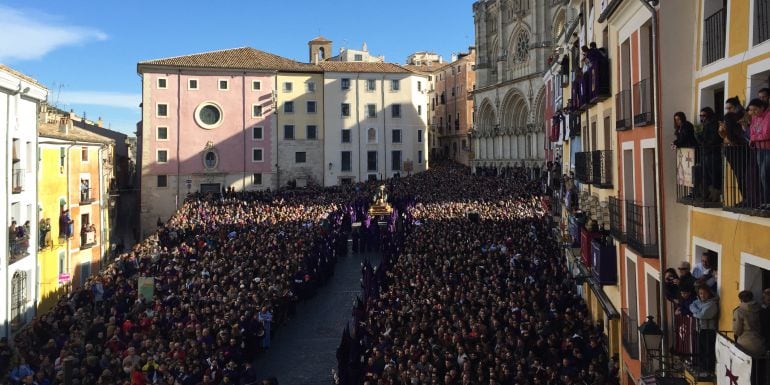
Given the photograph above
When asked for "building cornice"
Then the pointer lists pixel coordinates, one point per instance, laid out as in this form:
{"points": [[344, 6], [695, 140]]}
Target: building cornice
{"points": [[609, 10]]}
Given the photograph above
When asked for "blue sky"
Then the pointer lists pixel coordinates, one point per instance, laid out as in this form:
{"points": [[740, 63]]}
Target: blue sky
{"points": [[86, 52]]}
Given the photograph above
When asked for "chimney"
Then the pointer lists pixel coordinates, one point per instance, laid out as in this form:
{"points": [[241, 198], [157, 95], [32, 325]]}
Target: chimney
{"points": [[99, 122]]}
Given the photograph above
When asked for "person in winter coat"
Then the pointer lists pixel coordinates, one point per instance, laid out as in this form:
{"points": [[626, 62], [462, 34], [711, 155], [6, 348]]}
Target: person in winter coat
{"points": [[746, 324], [706, 310]]}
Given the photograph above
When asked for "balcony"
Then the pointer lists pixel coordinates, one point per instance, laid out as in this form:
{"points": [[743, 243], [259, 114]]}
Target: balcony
{"points": [[760, 364], [695, 169], [87, 196], [714, 36], [600, 81], [18, 248], [583, 167], [643, 97], [601, 168], [616, 219], [761, 21], [17, 181], [745, 190], [87, 239], [630, 334], [623, 110], [641, 229]]}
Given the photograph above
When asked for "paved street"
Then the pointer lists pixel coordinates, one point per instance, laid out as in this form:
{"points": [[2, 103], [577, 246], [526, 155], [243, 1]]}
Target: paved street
{"points": [[303, 352]]}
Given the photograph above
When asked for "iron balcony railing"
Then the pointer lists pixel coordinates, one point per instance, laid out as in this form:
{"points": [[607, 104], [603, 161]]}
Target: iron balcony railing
{"points": [[583, 167], [761, 21], [643, 97], [714, 36], [17, 182], [18, 248], [630, 334], [600, 88], [601, 168], [745, 190], [760, 364], [616, 218], [87, 196], [623, 110], [698, 176], [641, 229]]}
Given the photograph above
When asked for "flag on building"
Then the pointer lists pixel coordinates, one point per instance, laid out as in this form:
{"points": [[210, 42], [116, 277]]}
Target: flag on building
{"points": [[733, 365]]}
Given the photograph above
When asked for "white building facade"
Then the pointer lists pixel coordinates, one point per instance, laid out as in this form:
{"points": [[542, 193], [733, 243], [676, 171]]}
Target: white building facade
{"points": [[375, 121], [514, 40], [20, 98]]}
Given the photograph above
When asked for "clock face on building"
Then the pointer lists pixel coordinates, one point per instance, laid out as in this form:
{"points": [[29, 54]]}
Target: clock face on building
{"points": [[208, 115]]}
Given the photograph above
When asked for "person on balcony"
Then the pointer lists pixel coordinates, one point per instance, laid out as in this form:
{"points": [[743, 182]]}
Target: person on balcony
{"points": [[686, 299], [734, 144], [706, 310], [733, 105], [686, 279], [760, 142], [685, 132], [65, 225], [746, 324], [712, 153], [764, 94], [705, 272]]}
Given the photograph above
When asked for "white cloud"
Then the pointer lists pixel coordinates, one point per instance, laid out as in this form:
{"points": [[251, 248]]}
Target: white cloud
{"points": [[101, 98], [25, 36]]}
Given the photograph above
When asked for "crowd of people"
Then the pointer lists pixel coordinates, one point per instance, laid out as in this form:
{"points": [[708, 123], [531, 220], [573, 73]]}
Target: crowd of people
{"points": [[472, 289]]}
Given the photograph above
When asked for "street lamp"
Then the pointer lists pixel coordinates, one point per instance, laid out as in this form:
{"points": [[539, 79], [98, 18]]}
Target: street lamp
{"points": [[652, 336]]}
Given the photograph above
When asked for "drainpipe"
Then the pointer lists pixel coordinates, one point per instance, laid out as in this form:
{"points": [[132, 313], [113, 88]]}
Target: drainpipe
{"points": [[5, 300], [275, 115], [243, 101], [650, 5], [384, 129], [358, 130], [178, 132]]}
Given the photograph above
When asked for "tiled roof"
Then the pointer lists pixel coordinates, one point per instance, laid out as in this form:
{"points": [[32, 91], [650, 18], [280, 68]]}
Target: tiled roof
{"points": [[20, 75], [341, 66], [321, 39], [426, 69], [50, 130], [235, 58]]}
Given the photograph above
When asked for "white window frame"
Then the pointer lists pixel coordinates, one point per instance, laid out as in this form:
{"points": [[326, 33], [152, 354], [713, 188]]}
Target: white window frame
{"points": [[307, 131], [290, 87], [295, 157], [400, 135], [315, 106], [310, 86], [419, 136], [350, 136], [370, 82], [157, 155], [400, 111], [256, 85], [157, 107], [88, 155], [293, 107], [227, 84], [157, 83], [342, 112], [254, 181], [713, 246], [157, 134], [342, 84], [189, 84], [394, 82], [253, 112], [261, 133], [262, 155], [368, 115], [156, 181]]}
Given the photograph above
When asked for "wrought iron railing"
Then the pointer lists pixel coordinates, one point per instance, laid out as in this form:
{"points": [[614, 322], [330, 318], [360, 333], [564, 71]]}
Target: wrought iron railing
{"points": [[714, 36], [601, 166], [616, 218], [698, 176], [87, 196], [583, 167], [760, 364], [630, 334], [600, 88], [745, 190], [641, 229], [643, 96], [18, 248], [17, 182], [623, 110], [761, 21]]}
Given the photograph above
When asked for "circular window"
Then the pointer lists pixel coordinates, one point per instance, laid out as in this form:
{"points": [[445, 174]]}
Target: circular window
{"points": [[208, 115], [522, 47], [210, 160]]}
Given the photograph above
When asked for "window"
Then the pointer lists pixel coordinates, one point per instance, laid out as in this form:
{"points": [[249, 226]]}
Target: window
{"points": [[256, 179], [162, 156], [395, 110], [419, 136], [287, 86], [371, 161], [62, 157], [371, 135], [84, 154], [224, 85], [358, 57], [192, 84], [419, 156], [161, 133], [162, 180], [18, 297], [419, 86], [162, 83], [256, 111], [371, 110], [345, 136], [62, 262], [395, 159], [162, 110], [256, 85], [345, 84], [345, 109], [395, 85], [522, 47], [300, 157], [288, 132], [419, 110], [256, 155], [311, 107], [208, 115], [288, 107], [310, 86], [346, 164], [371, 84], [396, 135], [312, 132], [210, 160], [256, 133]]}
